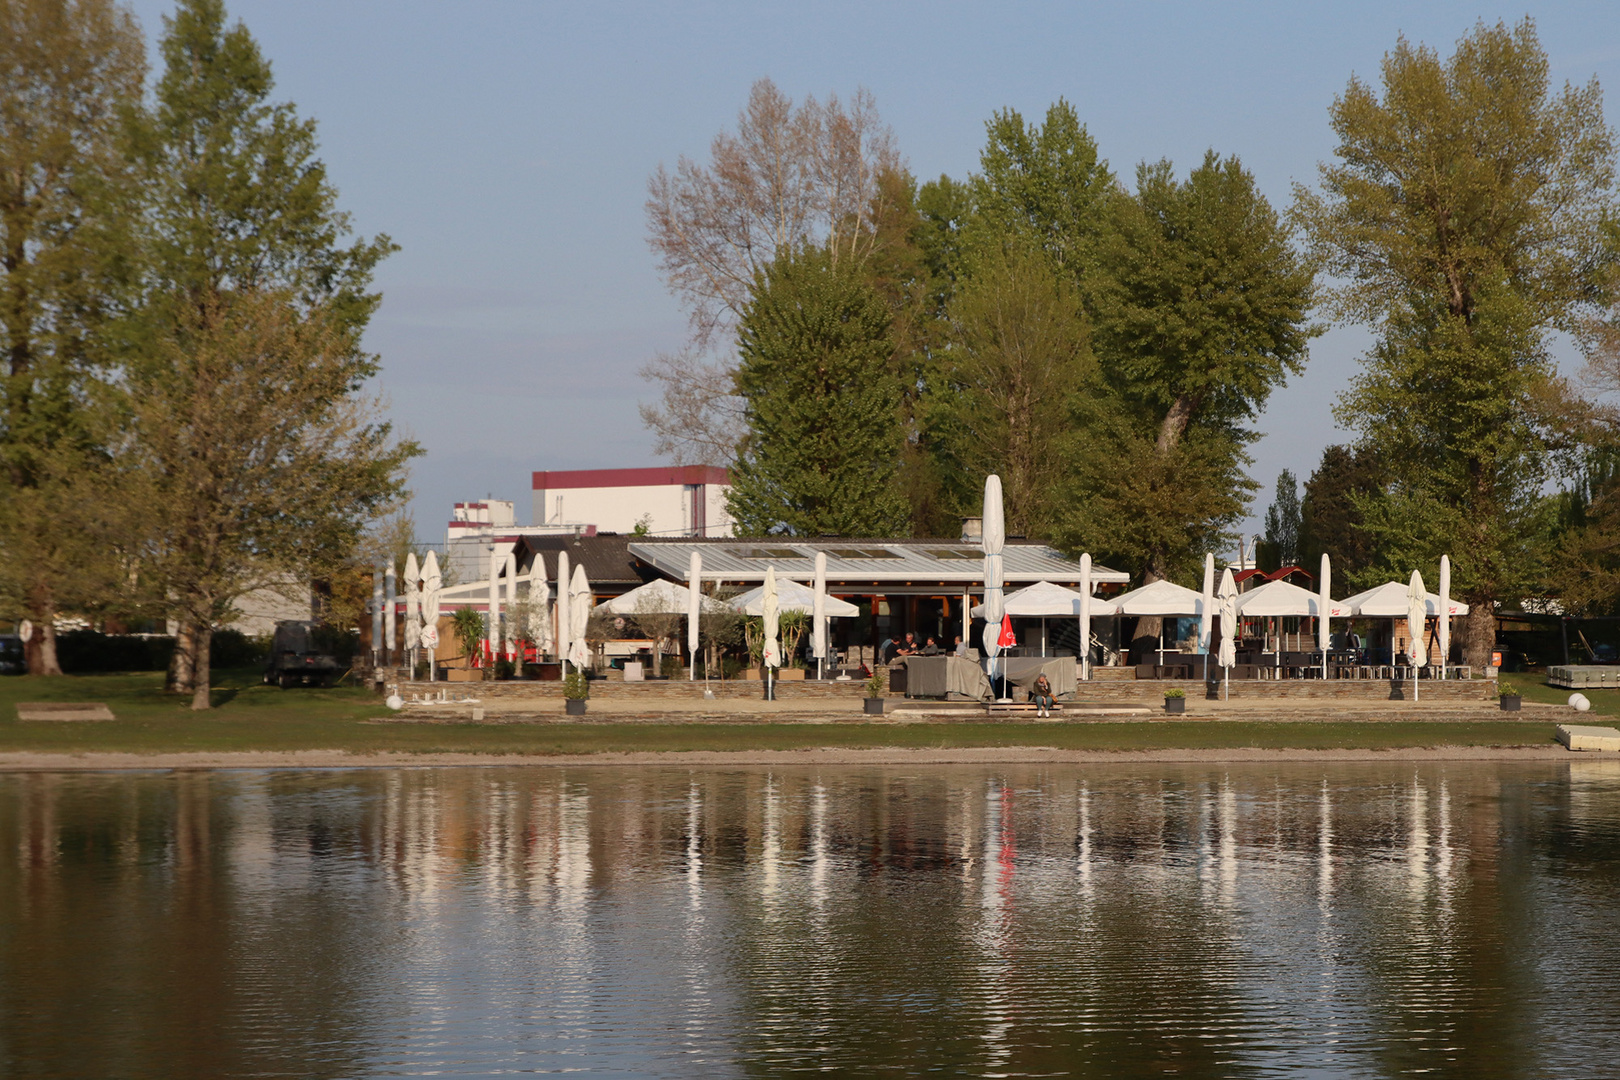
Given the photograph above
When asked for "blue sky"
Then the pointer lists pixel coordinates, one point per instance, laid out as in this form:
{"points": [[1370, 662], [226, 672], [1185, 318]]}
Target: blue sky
{"points": [[506, 147]]}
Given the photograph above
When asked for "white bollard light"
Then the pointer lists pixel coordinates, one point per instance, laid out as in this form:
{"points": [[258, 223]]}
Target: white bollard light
{"points": [[1579, 702]]}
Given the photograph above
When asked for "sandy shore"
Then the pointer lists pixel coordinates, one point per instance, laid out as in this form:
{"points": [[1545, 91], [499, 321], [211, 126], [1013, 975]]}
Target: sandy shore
{"points": [[989, 755]]}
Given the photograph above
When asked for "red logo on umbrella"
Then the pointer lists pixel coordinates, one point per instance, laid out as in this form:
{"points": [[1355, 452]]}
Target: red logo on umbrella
{"points": [[1006, 640]]}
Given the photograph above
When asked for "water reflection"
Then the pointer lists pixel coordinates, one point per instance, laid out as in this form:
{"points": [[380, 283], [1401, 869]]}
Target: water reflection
{"points": [[1232, 921]]}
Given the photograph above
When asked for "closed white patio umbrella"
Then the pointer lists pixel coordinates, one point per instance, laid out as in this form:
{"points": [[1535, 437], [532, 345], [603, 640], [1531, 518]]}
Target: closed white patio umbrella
{"points": [[1086, 603], [1444, 625], [1416, 612], [770, 615], [1325, 602], [694, 609], [1206, 617], [540, 604], [390, 606], [413, 605], [432, 585], [1226, 598], [992, 538], [818, 614], [579, 615], [564, 622]]}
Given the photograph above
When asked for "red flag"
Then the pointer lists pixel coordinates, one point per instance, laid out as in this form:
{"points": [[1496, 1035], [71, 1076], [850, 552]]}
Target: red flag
{"points": [[1006, 639]]}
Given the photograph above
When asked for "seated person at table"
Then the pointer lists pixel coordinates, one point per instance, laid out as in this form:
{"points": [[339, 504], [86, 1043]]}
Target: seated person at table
{"points": [[930, 648], [908, 647], [961, 647], [1041, 692]]}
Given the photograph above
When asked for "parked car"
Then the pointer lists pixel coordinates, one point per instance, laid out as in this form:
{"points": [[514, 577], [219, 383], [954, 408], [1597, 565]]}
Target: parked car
{"points": [[12, 659], [294, 660]]}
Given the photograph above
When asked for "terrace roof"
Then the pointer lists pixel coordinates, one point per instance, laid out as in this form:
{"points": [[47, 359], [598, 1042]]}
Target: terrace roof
{"points": [[862, 561]]}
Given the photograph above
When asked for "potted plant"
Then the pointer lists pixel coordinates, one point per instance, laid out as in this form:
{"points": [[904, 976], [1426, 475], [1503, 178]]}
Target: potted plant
{"points": [[1175, 700], [575, 691], [874, 692], [1508, 697]]}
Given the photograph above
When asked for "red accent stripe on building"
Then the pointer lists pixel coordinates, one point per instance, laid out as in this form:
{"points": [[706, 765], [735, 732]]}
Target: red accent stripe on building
{"points": [[610, 478]]}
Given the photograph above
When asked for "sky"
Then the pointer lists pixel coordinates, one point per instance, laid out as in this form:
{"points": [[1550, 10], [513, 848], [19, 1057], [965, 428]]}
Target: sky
{"points": [[506, 146]]}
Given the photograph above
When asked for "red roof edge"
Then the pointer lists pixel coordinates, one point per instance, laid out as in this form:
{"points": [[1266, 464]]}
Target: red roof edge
{"points": [[658, 476]]}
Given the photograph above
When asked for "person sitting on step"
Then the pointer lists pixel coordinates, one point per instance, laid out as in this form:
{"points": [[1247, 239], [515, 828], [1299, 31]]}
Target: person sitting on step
{"points": [[1042, 693]]}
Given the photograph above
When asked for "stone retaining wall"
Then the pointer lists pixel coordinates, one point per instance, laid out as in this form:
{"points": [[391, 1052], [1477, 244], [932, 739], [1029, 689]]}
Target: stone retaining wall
{"points": [[809, 690], [1095, 691], [1304, 689]]}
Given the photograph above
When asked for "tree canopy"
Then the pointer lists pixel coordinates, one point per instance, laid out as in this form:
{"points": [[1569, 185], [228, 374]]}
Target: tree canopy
{"points": [[1464, 217], [824, 439]]}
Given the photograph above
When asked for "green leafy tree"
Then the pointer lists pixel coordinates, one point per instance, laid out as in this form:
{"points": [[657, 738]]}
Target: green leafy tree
{"points": [[1046, 186], [1281, 545], [70, 71], [1464, 218], [241, 236], [1017, 353], [1330, 519], [1200, 310], [821, 402]]}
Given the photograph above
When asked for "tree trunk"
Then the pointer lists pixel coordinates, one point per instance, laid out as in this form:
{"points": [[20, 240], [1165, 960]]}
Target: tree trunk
{"points": [[179, 680], [201, 639], [1479, 632], [41, 651]]}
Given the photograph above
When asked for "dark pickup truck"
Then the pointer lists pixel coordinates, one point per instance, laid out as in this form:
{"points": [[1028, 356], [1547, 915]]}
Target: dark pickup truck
{"points": [[294, 660]]}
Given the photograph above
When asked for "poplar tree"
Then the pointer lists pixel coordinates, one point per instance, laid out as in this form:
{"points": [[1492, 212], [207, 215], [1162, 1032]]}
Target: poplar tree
{"points": [[1465, 217], [1200, 310], [248, 339], [70, 71], [821, 403]]}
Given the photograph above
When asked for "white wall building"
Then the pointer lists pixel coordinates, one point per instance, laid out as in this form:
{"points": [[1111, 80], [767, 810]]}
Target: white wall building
{"points": [[682, 500]]}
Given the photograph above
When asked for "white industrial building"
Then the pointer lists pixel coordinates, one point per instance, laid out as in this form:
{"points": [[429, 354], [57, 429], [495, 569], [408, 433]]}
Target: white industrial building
{"points": [[678, 500]]}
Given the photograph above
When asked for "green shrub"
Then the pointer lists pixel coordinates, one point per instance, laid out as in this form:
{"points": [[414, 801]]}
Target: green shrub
{"points": [[877, 683], [1175, 692], [575, 688], [671, 667], [1504, 688]]}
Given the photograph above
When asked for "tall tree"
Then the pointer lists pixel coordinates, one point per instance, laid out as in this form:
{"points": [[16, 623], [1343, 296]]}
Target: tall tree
{"points": [[1330, 519], [821, 174], [242, 236], [821, 403], [70, 70], [1045, 186], [1017, 353], [1281, 547], [1200, 311], [1464, 219], [261, 464]]}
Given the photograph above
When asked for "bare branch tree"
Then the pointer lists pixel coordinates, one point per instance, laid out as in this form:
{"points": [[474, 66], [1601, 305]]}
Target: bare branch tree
{"points": [[787, 177]]}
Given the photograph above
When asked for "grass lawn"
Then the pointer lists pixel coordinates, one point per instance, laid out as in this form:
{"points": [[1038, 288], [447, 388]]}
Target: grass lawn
{"points": [[1605, 703], [254, 717]]}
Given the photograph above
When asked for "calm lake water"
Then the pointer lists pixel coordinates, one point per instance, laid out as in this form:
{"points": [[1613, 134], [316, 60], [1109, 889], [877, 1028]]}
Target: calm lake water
{"points": [[1230, 921]]}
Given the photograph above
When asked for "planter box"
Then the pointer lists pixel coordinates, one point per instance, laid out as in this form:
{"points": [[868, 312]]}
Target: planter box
{"points": [[751, 674], [1509, 702], [790, 674], [874, 706], [464, 675], [575, 706], [1175, 705]]}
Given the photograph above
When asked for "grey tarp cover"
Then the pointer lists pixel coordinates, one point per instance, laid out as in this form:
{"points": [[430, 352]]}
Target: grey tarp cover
{"points": [[952, 676], [945, 677], [1061, 671]]}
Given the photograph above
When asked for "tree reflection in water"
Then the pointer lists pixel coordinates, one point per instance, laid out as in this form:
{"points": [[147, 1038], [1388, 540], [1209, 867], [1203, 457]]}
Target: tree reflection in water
{"points": [[1225, 920]]}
